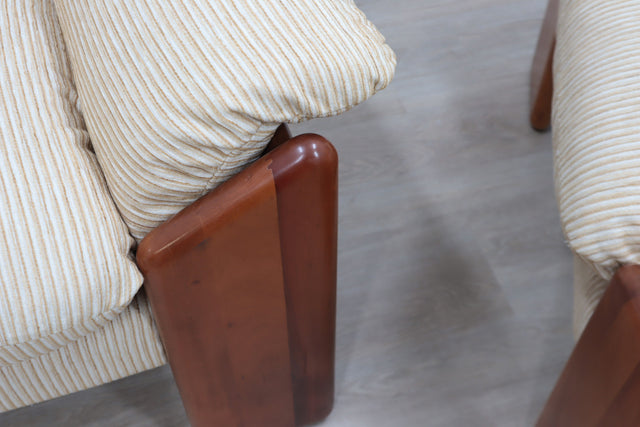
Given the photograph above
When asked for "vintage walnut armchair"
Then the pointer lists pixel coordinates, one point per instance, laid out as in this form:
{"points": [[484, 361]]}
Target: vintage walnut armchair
{"points": [[586, 85], [133, 149]]}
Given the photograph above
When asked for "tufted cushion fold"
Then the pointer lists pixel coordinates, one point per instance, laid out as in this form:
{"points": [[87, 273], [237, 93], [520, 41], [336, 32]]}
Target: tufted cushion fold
{"points": [[64, 265], [178, 96]]}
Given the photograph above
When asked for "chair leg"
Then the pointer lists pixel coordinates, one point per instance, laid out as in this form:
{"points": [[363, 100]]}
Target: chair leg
{"points": [[600, 384], [542, 71], [242, 284], [308, 214]]}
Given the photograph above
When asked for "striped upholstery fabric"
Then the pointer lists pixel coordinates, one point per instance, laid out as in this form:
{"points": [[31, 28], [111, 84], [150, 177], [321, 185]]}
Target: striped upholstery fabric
{"points": [[125, 346], [178, 96], [64, 265], [588, 288], [596, 130], [596, 135]]}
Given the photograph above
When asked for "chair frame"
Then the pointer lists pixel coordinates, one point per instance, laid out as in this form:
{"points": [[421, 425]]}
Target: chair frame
{"points": [[242, 284], [600, 384], [541, 88]]}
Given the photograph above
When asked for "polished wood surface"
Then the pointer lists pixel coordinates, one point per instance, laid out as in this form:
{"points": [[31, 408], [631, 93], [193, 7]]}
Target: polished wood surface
{"points": [[624, 411], [214, 277], [242, 285], [306, 178], [600, 384], [542, 71]]}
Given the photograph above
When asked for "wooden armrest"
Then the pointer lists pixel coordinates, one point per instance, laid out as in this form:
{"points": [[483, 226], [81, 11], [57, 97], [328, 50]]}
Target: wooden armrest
{"points": [[600, 384], [242, 285]]}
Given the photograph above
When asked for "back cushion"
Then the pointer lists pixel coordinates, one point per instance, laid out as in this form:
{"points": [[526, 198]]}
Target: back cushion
{"points": [[179, 95], [64, 266]]}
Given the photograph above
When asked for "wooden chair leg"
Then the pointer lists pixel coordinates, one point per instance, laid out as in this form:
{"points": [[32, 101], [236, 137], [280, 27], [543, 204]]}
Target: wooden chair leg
{"points": [[242, 284], [308, 215], [542, 71], [600, 385]]}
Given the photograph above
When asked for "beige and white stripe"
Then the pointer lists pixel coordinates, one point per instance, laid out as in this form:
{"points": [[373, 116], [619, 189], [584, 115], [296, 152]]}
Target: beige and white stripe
{"points": [[588, 289], [127, 345], [596, 137], [178, 96], [64, 264]]}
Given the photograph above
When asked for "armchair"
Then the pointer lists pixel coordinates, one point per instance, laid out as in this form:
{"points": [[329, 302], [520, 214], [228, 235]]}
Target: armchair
{"points": [[584, 82], [139, 131]]}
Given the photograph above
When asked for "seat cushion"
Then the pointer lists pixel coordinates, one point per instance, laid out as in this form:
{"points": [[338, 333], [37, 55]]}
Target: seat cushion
{"points": [[125, 346], [596, 130], [64, 265], [178, 96]]}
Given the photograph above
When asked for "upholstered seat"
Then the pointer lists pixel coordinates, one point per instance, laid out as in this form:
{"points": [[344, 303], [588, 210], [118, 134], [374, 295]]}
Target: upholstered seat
{"points": [[124, 346]]}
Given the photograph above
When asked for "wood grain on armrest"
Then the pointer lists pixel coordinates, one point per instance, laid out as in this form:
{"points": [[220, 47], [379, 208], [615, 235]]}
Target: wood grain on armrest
{"points": [[242, 284], [601, 377]]}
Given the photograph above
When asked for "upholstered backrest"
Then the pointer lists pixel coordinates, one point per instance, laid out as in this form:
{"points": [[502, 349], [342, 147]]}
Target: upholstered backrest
{"points": [[64, 265], [178, 96]]}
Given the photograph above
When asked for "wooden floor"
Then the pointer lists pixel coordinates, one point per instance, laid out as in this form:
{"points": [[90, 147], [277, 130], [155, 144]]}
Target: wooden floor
{"points": [[454, 283]]}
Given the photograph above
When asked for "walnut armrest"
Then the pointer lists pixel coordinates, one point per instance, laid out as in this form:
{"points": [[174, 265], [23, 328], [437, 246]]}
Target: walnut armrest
{"points": [[242, 285], [600, 384]]}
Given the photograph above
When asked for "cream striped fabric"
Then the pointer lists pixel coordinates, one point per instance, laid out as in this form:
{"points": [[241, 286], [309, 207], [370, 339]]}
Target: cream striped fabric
{"points": [[596, 131], [125, 346], [588, 288], [64, 266], [178, 96]]}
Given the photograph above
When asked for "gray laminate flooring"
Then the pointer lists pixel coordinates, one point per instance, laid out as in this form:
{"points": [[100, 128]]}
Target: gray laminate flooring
{"points": [[454, 298]]}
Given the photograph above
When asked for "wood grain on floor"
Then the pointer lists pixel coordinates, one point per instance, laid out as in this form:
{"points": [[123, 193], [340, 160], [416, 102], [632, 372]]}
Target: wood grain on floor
{"points": [[454, 301]]}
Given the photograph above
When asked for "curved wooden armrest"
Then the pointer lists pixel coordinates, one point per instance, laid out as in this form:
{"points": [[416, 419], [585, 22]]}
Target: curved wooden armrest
{"points": [[242, 284], [600, 384]]}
